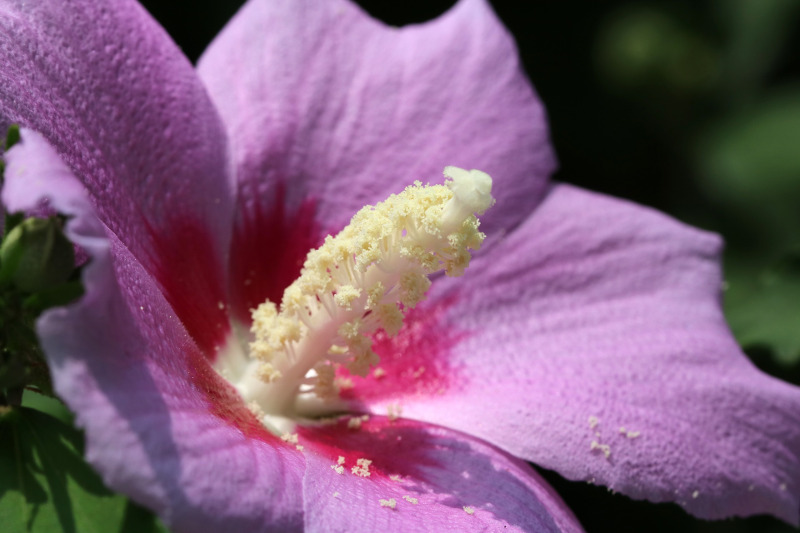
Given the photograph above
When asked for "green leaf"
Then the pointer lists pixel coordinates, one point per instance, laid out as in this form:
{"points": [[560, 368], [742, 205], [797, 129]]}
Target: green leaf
{"points": [[45, 485], [48, 405], [763, 307]]}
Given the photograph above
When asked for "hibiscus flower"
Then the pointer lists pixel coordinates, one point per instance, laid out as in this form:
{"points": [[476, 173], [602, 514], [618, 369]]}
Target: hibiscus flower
{"points": [[586, 336]]}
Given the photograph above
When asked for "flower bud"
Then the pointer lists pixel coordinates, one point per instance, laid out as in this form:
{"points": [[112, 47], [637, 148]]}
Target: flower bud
{"points": [[36, 255]]}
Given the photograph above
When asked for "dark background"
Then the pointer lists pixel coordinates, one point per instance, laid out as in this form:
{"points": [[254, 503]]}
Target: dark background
{"points": [[689, 106]]}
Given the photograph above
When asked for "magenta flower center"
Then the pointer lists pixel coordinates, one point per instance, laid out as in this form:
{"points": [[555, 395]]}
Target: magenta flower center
{"points": [[357, 283]]}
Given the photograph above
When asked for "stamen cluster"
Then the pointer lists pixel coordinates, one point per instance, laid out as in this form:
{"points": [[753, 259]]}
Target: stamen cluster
{"points": [[365, 279]]}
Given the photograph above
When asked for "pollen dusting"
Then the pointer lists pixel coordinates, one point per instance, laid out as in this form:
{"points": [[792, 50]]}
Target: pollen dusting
{"points": [[336, 494], [256, 410], [593, 422], [393, 411], [412, 501], [628, 433], [360, 283], [343, 383], [396, 478], [469, 510], [339, 469], [604, 448], [695, 494], [291, 438], [362, 467], [391, 503], [356, 421]]}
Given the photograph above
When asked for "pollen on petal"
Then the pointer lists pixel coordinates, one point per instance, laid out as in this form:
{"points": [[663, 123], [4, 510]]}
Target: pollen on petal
{"points": [[393, 411], [291, 438], [356, 421], [391, 503], [604, 448], [362, 468]]}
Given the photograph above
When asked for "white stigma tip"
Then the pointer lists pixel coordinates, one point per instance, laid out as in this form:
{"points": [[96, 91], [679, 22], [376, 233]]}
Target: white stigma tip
{"points": [[471, 188]]}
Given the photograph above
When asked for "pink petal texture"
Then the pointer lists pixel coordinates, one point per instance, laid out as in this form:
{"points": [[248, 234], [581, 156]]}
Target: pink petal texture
{"points": [[125, 110], [161, 426], [323, 103], [432, 474], [590, 341]]}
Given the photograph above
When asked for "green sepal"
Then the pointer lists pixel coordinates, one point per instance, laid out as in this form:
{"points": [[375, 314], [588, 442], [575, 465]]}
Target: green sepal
{"points": [[36, 255]]}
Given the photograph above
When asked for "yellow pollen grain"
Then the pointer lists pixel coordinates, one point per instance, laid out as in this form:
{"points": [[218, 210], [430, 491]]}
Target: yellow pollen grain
{"points": [[256, 410], [375, 295], [338, 469], [393, 411], [604, 448], [628, 433], [268, 373], [346, 295], [391, 503], [337, 350], [469, 510], [378, 373], [396, 478], [412, 501], [593, 421], [356, 421], [343, 383], [291, 438], [362, 468]]}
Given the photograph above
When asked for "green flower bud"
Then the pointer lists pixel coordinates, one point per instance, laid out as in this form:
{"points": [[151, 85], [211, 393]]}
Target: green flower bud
{"points": [[36, 255]]}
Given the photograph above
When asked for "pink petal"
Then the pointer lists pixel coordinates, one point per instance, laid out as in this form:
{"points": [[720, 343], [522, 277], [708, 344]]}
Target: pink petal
{"points": [[431, 473], [161, 425], [597, 323], [119, 102], [343, 110]]}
